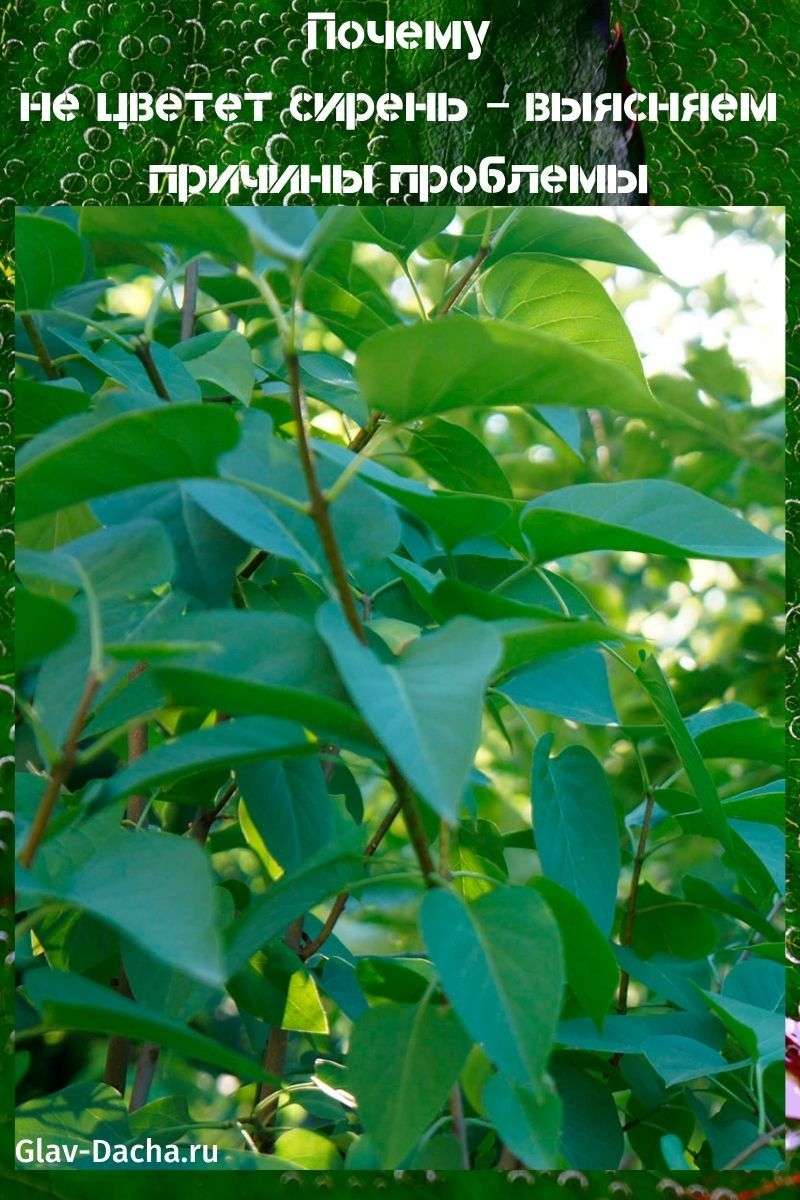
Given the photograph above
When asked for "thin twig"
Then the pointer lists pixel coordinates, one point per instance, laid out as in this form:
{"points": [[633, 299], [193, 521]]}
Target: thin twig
{"points": [[338, 906], [765, 1139], [274, 1061], [189, 300], [42, 353], [59, 773], [459, 1124], [630, 909], [757, 936], [146, 1065], [144, 354], [463, 283], [413, 820], [201, 825], [319, 504], [137, 746], [366, 433], [119, 1047]]}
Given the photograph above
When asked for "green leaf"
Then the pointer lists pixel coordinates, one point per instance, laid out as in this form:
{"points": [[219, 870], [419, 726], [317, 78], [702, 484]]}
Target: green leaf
{"points": [[543, 292], [456, 459], [655, 684], [49, 258], [212, 230], [126, 560], [239, 511], [76, 1115], [708, 896], [222, 359], [308, 1150], [400, 229], [112, 360], [436, 366], [571, 684], [760, 1031], [272, 988], [332, 870], [125, 867], [591, 1137], [485, 952], [572, 235], [207, 552], [575, 823], [733, 730], [589, 961], [174, 441], [366, 525], [529, 1125], [679, 1059], [72, 1003], [288, 233], [260, 663], [662, 926], [40, 405], [648, 515], [402, 1065], [42, 625], [627, 1034], [247, 739], [288, 808], [346, 297], [425, 708]]}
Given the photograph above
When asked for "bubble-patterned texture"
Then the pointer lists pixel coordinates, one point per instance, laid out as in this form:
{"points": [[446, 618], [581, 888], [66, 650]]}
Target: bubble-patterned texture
{"points": [[718, 46], [216, 46]]}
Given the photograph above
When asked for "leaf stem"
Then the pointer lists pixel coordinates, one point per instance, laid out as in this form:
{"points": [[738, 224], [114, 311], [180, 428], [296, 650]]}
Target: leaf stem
{"points": [[413, 820], [100, 326], [319, 503], [42, 353], [141, 349], [274, 1061], [412, 283], [59, 773], [338, 906], [636, 875], [765, 1139], [189, 305]]}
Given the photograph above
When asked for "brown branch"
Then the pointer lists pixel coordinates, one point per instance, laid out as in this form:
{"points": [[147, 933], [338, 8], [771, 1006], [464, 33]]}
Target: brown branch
{"points": [[338, 906], [630, 910], [137, 746], [201, 825], [366, 433], [42, 353], [258, 559], [149, 1052], [274, 1061], [413, 820], [459, 1124], [118, 1051], [320, 509], [459, 289], [144, 354], [189, 305], [119, 1047], [765, 1139], [146, 1065], [59, 774]]}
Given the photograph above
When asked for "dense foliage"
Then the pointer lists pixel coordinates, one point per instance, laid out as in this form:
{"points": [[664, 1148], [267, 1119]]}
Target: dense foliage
{"points": [[400, 704]]}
